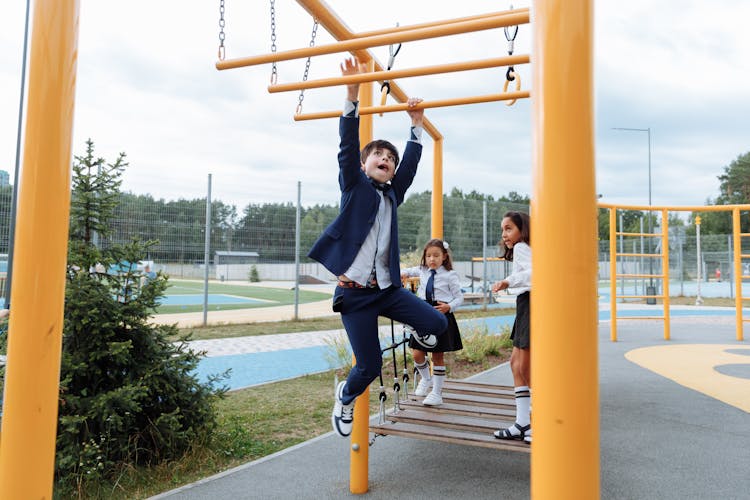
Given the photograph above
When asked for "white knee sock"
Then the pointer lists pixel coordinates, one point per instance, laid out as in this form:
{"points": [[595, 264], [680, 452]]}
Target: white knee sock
{"points": [[438, 377], [523, 404], [424, 370]]}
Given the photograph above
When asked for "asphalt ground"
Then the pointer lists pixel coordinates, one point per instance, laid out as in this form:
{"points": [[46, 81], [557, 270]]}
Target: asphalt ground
{"points": [[664, 434]]}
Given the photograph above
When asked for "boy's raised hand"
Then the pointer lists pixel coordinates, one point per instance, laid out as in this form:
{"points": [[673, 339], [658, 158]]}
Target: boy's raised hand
{"points": [[352, 66], [416, 115]]}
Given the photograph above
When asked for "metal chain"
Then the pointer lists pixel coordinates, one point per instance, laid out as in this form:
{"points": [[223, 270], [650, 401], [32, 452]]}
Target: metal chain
{"points": [[374, 436], [307, 66], [274, 73], [386, 86], [510, 35], [222, 23]]}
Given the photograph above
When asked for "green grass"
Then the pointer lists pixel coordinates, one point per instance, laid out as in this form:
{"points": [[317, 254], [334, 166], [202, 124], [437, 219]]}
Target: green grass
{"points": [[269, 296], [252, 423]]}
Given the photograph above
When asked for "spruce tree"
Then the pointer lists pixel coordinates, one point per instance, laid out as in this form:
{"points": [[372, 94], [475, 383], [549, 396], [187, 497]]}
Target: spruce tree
{"points": [[128, 393]]}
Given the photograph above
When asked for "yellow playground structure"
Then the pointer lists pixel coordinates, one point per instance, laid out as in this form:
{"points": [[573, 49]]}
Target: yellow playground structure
{"points": [[663, 256], [565, 453]]}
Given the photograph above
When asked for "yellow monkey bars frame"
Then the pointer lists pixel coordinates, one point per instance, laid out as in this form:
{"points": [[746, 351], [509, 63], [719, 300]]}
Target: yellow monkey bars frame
{"points": [[565, 458]]}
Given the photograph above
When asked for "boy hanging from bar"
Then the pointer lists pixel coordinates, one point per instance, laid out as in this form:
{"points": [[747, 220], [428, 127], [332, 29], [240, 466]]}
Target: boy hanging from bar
{"points": [[361, 247]]}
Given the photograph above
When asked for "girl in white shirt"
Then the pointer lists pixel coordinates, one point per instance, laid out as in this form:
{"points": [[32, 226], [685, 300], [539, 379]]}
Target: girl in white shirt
{"points": [[445, 295], [516, 242]]}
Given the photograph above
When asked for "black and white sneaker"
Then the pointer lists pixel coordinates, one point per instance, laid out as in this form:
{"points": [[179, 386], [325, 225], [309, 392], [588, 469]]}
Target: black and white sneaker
{"points": [[427, 341], [343, 415]]}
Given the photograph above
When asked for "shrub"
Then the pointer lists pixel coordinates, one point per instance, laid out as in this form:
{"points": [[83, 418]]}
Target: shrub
{"points": [[253, 276], [128, 395], [479, 343]]}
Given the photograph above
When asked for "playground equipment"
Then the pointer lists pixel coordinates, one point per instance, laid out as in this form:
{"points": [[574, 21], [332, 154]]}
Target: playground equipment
{"points": [[565, 458], [27, 448], [663, 256], [563, 88]]}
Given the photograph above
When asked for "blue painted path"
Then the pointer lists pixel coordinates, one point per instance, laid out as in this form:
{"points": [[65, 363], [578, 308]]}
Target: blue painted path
{"points": [[263, 367]]}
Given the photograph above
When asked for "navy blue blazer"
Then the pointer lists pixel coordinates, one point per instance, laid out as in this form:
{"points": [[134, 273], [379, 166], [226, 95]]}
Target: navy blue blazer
{"points": [[340, 242]]}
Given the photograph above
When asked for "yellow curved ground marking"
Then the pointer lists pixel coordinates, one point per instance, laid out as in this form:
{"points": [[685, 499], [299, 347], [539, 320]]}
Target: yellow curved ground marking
{"points": [[694, 366]]}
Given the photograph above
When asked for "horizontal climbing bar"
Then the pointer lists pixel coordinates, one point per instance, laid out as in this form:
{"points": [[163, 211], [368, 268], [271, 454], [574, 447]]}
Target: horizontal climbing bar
{"points": [[639, 255], [640, 317], [641, 276], [401, 73], [398, 29], [440, 103], [687, 208], [640, 296], [654, 235], [380, 40]]}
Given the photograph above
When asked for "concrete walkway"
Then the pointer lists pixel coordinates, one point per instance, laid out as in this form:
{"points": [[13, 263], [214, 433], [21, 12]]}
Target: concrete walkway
{"points": [[256, 315], [662, 437]]}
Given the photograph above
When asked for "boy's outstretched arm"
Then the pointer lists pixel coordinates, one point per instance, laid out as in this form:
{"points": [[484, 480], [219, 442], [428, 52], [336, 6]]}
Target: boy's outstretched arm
{"points": [[352, 66], [416, 115]]}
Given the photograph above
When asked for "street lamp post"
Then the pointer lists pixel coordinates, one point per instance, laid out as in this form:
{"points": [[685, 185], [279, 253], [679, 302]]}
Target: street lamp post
{"points": [[698, 298], [651, 290], [648, 131]]}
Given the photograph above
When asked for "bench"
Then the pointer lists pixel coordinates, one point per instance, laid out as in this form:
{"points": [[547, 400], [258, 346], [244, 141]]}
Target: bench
{"points": [[475, 298], [470, 413]]}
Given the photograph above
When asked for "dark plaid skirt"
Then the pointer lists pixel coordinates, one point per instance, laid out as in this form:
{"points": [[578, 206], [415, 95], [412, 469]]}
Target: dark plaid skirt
{"points": [[521, 334]]}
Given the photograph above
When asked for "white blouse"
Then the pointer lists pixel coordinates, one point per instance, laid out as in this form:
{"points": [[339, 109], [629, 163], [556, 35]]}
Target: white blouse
{"points": [[447, 284], [519, 280]]}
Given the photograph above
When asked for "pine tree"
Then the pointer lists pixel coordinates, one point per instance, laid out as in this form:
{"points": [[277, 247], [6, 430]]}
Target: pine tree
{"points": [[128, 393]]}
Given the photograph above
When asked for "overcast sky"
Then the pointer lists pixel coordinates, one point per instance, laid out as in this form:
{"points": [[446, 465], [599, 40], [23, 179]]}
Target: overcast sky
{"points": [[147, 85]]}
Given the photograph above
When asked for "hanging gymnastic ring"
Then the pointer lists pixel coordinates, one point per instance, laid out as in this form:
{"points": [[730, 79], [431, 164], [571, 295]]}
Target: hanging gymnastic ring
{"points": [[514, 77]]}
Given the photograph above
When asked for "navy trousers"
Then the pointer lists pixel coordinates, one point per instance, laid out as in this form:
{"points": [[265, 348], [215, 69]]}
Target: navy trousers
{"points": [[359, 313]]}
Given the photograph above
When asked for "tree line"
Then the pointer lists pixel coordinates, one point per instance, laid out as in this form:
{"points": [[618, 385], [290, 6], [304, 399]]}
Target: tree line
{"points": [[269, 228]]}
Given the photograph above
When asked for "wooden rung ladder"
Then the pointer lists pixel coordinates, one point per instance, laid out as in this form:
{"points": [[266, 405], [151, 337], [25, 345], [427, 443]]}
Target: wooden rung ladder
{"points": [[470, 413]]}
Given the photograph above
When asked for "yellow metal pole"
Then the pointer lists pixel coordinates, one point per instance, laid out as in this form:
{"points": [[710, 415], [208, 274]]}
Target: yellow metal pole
{"points": [[437, 191], [687, 208], [380, 40], [737, 247], [360, 448], [565, 452], [401, 73], [397, 29], [29, 424], [613, 274], [665, 270], [438, 103]]}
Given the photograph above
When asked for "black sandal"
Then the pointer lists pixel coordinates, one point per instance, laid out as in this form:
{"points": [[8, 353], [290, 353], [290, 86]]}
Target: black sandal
{"points": [[507, 434]]}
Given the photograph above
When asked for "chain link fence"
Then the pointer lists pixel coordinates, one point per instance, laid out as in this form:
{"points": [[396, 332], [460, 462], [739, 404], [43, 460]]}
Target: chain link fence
{"points": [[715, 265], [258, 241]]}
